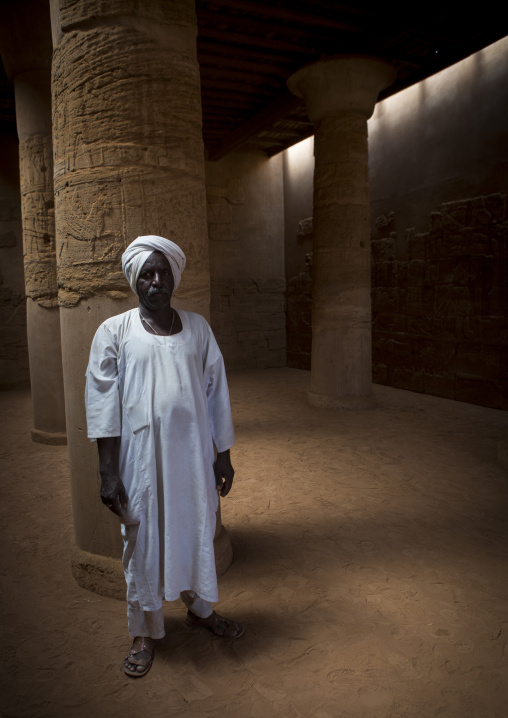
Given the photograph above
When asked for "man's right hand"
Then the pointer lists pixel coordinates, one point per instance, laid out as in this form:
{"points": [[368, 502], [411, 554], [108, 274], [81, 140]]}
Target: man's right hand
{"points": [[113, 494]]}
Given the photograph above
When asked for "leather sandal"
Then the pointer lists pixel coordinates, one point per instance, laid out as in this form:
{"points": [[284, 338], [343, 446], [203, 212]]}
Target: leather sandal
{"points": [[131, 659], [219, 626]]}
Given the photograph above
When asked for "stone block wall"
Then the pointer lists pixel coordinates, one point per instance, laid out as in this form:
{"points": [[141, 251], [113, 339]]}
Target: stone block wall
{"points": [[440, 311], [248, 322], [299, 318], [14, 369], [246, 226]]}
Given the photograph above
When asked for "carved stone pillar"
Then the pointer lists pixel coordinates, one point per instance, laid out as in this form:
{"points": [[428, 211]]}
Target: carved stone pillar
{"points": [[340, 95], [26, 51], [128, 161]]}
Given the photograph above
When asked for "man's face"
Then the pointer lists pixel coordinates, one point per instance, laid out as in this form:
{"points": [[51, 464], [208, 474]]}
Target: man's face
{"points": [[155, 282]]}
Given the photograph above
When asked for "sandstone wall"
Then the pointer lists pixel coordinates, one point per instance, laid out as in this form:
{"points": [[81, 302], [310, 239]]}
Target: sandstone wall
{"points": [[298, 174], [13, 341], [439, 180], [299, 311], [439, 315], [245, 226], [298, 171]]}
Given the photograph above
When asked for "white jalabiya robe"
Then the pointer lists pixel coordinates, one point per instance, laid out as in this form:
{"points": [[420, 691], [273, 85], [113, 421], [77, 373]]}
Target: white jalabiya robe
{"points": [[167, 397]]}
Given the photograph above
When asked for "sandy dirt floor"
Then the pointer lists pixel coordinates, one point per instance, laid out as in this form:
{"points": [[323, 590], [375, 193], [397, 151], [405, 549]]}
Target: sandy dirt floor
{"points": [[370, 571]]}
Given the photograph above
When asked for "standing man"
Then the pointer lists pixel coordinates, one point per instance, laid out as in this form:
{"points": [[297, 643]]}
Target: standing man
{"points": [[157, 401]]}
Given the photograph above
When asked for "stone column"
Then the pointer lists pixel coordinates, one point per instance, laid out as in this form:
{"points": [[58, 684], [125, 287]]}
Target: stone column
{"points": [[128, 161], [340, 94], [26, 51]]}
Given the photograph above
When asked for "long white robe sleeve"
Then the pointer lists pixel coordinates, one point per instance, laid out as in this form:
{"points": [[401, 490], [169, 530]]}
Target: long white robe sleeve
{"points": [[166, 397], [217, 393], [104, 414]]}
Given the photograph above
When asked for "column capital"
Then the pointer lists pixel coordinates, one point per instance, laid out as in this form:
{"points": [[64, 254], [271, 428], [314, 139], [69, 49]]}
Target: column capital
{"points": [[347, 83]]}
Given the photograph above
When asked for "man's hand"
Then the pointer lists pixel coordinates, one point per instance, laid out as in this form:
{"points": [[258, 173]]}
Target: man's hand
{"points": [[224, 473], [113, 494]]}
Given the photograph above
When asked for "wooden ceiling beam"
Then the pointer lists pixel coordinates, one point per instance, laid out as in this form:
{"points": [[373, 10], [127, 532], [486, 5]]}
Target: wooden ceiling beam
{"points": [[244, 88], [262, 28], [280, 68], [283, 126], [276, 110], [274, 150], [222, 73], [228, 37], [272, 134], [233, 52], [246, 105], [286, 14]]}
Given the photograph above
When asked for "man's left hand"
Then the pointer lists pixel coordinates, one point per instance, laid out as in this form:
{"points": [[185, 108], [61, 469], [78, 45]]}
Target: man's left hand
{"points": [[224, 472]]}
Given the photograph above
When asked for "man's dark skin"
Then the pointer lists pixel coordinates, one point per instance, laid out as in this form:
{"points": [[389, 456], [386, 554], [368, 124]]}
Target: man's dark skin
{"points": [[155, 288]]}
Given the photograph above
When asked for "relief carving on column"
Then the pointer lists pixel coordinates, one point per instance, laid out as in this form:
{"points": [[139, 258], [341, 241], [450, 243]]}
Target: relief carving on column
{"points": [[37, 202], [128, 148]]}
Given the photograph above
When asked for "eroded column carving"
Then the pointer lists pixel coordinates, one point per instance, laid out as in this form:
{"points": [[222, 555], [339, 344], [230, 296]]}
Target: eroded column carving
{"points": [[128, 144], [37, 201]]}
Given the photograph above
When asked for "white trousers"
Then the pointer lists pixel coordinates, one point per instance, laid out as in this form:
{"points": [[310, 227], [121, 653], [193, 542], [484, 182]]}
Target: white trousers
{"points": [[150, 624]]}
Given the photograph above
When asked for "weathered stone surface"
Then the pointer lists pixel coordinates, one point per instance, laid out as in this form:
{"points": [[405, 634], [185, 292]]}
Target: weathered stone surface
{"points": [[383, 250], [305, 227], [8, 239], [447, 337], [13, 344], [128, 149], [75, 12], [477, 391], [407, 377], [446, 333], [13, 339], [222, 226], [299, 318], [37, 203], [340, 94], [415, 244], [386, 274], [248, 321], [384, 221], [439, 384]]}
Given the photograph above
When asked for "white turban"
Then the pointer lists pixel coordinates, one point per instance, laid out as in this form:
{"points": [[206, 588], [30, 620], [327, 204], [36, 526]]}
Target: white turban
{"points": [[138, 252]]}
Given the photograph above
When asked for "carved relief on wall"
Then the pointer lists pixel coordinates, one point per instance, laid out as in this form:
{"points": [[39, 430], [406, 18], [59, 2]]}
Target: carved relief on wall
{"points": [[220, 201], [439, 311]]}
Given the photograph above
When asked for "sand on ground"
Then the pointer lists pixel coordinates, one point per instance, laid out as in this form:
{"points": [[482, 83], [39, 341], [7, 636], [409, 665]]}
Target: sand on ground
{"points": [[370, 571]]}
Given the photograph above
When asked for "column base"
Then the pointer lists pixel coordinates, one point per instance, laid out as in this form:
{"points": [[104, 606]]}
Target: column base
{"points": [[326, 401], [49, 437], [104, 574], [100, 574]]}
